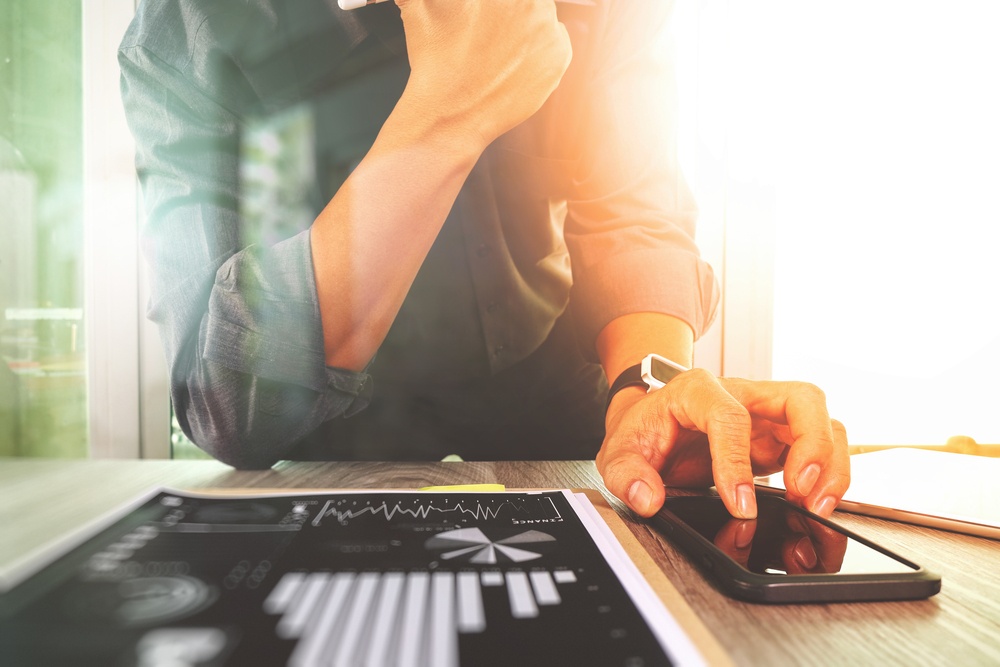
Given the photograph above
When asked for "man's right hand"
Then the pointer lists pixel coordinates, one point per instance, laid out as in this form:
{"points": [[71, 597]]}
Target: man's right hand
{"points": [[483, 66]]}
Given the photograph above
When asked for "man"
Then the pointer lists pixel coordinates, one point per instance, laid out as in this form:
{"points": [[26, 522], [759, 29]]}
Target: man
{"points": [[501, 206]]}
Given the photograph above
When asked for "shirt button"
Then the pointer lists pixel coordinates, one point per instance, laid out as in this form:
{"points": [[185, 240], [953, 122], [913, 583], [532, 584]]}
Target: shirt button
{"points": [[497, 351], [483, 250], [492, 307]]}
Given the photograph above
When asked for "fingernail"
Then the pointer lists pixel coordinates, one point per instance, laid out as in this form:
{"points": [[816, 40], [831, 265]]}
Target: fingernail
{"points": [[805, 554], [825, 506], [746, 502], [807, 479], [744, 534], [639, 496]]}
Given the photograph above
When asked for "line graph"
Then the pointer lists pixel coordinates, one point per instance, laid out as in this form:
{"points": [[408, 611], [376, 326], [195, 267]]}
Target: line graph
{"points": [[520, 508]]}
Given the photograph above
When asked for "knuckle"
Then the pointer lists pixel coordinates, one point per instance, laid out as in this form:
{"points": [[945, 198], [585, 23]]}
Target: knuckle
{"points": [[699, 375], [810, 392], [731, 428], [840, 480], [600, 461], [567, 53], [731, 417], [839, 430], [615, 473], [733, 459], [826, 440]]}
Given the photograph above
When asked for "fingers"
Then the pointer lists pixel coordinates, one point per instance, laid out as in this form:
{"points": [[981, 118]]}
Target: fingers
{"points": [[698, 401], [484, 66], [836, 477], [748, 424], [641, 438], [817, 467]]}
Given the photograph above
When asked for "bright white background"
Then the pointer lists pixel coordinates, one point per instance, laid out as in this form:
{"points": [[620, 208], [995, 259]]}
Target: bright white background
{"points": [[847, 161]]}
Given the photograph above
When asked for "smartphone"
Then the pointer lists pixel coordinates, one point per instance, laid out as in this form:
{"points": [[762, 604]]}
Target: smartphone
{"points": [[788, 554]]}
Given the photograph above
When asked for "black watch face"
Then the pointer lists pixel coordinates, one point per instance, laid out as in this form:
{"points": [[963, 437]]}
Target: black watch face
{"points": [[662, 371]]}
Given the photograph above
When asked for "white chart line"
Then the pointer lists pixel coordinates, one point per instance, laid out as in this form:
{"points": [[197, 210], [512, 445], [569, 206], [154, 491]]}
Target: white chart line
{"points": [[414, 611], [443, 636], [544, 587], [356, 616], [278, 600], [389, 510], [293, 622], [492, 578], [386, 613], [322, 632], [522, 602], [471, 616], [564, 576]]}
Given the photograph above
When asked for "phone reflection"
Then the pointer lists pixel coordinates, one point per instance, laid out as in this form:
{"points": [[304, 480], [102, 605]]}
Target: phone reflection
{"points": [[788, 555], [781, 541]]}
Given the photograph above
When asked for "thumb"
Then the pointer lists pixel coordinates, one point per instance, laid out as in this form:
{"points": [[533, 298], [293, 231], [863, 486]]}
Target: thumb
{"points": [[629, 476]]}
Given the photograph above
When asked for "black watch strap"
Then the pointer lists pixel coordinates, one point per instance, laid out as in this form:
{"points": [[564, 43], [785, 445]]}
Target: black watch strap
{"points": [[630, 377]]}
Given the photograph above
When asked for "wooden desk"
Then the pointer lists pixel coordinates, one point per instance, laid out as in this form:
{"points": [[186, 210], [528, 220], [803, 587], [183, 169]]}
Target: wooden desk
{"points": [[961, 625]]}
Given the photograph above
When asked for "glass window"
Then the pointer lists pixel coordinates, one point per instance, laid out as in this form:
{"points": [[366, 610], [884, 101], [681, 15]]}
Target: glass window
{"points": [[43, 398], [859, 148], [886, 276]]}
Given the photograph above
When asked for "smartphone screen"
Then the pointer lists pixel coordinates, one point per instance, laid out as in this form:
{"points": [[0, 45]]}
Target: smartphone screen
{"points": [[783, 540]]}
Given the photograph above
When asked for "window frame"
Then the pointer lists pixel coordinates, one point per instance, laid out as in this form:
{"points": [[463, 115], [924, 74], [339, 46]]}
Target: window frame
{"points": [[127, 389], [736, 220]]}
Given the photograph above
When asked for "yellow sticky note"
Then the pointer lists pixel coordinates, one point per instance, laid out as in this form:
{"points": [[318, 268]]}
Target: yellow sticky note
{"points": [[467, 487]]}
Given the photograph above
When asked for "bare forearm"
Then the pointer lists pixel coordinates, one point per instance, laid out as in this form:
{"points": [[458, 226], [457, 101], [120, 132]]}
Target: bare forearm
{"points": [[477, 70], [369, 242]]}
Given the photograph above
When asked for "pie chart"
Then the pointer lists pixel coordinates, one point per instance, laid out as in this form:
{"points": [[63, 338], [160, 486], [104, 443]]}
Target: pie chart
{"points": [[472, 545]]}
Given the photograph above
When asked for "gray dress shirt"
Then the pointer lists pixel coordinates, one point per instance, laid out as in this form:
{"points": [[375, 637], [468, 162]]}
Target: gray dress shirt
{"points": [[575, 217]]}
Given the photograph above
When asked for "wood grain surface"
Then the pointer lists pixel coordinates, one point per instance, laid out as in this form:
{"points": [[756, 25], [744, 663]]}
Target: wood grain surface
{"points": [[42, 500]]}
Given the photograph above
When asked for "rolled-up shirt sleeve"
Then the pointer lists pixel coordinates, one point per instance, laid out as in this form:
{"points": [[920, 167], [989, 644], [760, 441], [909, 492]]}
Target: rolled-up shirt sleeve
{"points": [[631, 218], [240, 325]]}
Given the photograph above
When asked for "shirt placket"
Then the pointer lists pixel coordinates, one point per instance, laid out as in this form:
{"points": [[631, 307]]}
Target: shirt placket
{"points": [[490, 266]]}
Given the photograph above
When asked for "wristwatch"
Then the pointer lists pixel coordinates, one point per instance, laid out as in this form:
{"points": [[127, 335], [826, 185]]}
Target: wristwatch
{"points": [[653, 373]]}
